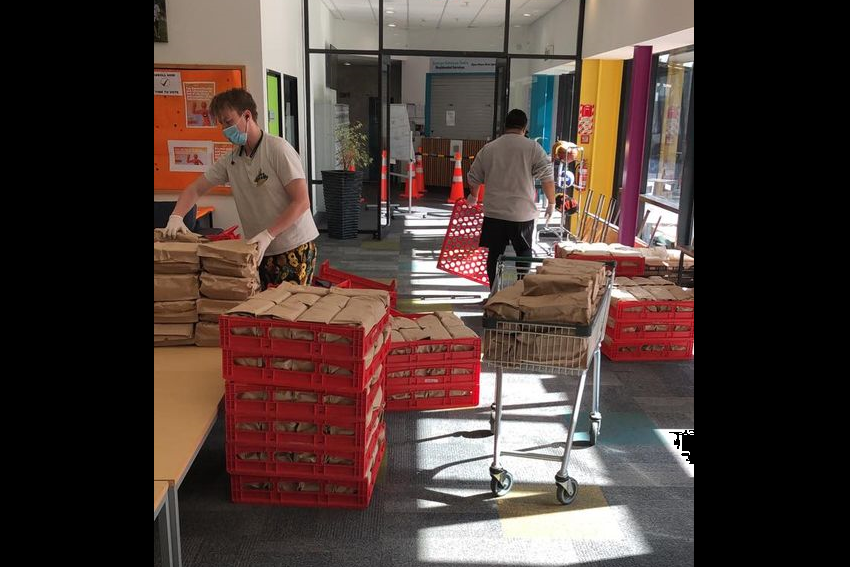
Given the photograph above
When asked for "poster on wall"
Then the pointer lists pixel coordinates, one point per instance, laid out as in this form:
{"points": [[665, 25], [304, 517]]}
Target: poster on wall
{"points": [[450, 118], [585, 123], [167, 83], [160, 25], [198, 98], [189, 155], [221, 149]]}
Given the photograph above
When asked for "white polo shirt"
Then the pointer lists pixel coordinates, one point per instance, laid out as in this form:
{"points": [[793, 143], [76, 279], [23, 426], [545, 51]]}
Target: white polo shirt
{"points": [[260, 201]]}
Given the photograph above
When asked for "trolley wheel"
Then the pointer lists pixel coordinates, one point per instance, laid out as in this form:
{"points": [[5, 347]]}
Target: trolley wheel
{"points": [[595, 427], [502, 488], [567, 496]]}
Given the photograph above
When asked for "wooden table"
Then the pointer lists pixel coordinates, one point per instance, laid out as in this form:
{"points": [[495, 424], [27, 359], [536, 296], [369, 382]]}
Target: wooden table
{"points": [[187, 389]]}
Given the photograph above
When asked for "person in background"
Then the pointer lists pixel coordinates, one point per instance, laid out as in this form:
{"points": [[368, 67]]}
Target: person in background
{"points": [[269, 189], [564, 154], [508, 166]]}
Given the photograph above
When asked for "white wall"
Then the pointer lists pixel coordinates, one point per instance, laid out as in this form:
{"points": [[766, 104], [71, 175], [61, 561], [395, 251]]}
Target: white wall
{"points": [[612, 27], [453, 39], [413, 73], [283, 51], [322, 100], [558, 28], [215, 32], [349, 35]]}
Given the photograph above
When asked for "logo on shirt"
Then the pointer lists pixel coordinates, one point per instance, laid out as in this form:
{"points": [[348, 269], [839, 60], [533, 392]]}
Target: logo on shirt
{"points": [[261, 178]]}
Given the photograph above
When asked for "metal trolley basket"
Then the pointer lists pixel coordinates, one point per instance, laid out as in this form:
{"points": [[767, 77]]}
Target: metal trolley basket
{"points": [[568, 350]]}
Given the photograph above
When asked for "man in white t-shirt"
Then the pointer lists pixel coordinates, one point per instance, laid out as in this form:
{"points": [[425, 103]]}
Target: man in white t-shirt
{"points": [[269, 188]]}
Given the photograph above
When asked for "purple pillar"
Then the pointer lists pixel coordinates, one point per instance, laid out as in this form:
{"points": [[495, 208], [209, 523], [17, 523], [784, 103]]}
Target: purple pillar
{"points": [[635, 144]]}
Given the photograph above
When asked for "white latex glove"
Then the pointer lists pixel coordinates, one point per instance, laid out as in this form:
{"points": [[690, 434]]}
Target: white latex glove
{"points": [[263, 240], [175, 226], [549, 210], [471, 201]]}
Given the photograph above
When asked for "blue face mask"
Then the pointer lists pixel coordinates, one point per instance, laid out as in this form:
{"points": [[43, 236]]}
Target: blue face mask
{"points": [[233, 134]]}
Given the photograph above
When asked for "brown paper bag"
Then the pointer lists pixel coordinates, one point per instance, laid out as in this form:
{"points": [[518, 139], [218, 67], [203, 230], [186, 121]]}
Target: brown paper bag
{"points": [[207, 334], [234, 251], [175, 268], [175, 311], [375, 294], [224, 268], [505, 303], [176, 252], [403, 323], [175, 287], [225, 287], [252, 308], [210, 309], [159, 236], [570, 308], [535, 284], [449, 319], [324, 310], [361, 311]]}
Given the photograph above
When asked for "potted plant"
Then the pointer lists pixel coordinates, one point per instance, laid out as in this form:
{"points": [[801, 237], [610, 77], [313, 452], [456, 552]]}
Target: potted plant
{"points": [[342, 187]]}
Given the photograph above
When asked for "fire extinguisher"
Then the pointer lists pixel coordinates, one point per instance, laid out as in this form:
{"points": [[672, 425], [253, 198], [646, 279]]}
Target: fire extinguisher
{"points": [[583, 174]]}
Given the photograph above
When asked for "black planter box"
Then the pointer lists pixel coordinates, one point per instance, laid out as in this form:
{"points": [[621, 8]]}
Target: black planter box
{"points": [[342, 202]]}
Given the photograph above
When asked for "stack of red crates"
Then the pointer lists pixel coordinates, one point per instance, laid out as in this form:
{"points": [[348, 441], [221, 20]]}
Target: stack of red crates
{"points": [[310, 436], [443, 378], [650, 330]]}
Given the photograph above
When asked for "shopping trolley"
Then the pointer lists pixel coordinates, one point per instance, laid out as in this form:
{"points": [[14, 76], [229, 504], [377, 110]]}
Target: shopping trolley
{"points": [[568, 350]]}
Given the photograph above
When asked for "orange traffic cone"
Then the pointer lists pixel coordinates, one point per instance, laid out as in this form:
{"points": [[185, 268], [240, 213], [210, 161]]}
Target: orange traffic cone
{"points": [[384, 176], [420, 171], [410, 182], [420, 176], [457, 181]]}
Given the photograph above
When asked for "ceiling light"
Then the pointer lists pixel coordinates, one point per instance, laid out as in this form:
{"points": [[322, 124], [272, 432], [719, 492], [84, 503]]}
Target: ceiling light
{"points": [[390, 12], [391, 25], [527, 15], [346, 63]]}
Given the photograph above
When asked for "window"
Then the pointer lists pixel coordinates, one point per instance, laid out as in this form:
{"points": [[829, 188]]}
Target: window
{"points": [[669, 146]]}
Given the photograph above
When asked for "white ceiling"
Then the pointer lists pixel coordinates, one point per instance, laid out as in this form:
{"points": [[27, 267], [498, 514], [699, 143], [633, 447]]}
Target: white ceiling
{"points": [[440, 14]]}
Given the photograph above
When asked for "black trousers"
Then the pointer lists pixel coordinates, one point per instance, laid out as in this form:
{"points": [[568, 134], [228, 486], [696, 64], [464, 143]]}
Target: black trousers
{"points": [[495, 236]]}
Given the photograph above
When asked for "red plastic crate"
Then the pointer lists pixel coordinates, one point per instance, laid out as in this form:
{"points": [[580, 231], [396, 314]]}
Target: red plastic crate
{"points": [[270, 437], [648, 349], [268, 464], [420, 358], [461, 254], [626, 265], [416, 377], [444, 402], [226, 234], [317, 282], [297, 410], [625, 330], [267, 374], [357, 282], [359, 344], [652, 311], [270, 492]]}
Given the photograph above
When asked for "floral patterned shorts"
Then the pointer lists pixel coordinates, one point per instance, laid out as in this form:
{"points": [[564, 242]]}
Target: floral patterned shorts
{"points": [[295, 266]]}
